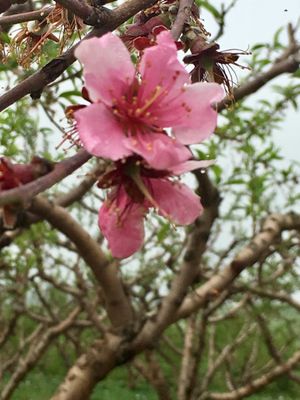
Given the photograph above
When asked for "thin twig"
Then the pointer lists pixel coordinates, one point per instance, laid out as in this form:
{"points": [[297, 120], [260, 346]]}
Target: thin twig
{"points": [[62, 169], [38, 15], [183, 14]]}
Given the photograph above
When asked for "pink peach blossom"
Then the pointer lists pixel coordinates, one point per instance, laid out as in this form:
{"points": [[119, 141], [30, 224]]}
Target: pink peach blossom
{"points": [[131, 109], [136, 188]]}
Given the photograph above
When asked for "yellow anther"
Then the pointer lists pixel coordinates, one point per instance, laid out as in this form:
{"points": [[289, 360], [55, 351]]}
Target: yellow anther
{"points": [[150, 101]]}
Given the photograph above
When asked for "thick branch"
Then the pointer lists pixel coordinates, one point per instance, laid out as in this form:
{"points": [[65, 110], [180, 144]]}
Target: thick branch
{"points": [[91, 367], [189, 269]]}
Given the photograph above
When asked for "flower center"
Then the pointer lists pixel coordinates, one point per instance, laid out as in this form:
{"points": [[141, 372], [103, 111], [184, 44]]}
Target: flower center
{"points": [[134, 116]]}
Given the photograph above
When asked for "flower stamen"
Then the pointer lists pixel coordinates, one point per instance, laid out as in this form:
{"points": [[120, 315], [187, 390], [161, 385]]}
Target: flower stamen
{"points": [[149, 102]]}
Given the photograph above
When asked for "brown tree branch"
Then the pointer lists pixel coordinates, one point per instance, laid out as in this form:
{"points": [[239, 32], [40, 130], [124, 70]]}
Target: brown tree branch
{"points": [[288, 65], [188, 359], [184, 12], [90, 15], [258, 383], [76, 193], [117, 304], [6, 4], [102, 357], [35, 84], [248, 256], [24, 193], [232, 311], [91, 367], [245, 331], [35, 351], [63, 200], [266, 334], [13, 359], [38, 15], [189, 270], [153, 373], [8, 330], [270, 294], [194, 345]]}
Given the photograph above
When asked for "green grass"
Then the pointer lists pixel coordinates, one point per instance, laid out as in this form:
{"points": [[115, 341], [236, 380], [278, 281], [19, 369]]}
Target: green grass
{"points": [[43, 380], [40, 385]]}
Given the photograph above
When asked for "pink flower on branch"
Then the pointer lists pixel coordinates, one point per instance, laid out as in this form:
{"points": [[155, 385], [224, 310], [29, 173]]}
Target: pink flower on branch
{"points": [[130, 109], [136, 187]]}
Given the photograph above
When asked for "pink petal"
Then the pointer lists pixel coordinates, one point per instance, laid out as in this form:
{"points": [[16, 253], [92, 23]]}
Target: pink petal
{"points": [[176, 200], [190, 165], [160, 67], [107, 67], [201, 118], [123, 228], [159, 150], [100, 133]]}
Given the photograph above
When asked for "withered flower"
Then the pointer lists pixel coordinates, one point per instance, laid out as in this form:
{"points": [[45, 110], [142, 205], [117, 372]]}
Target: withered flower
{"points": [[65, 21], [150, 22], [143, 34], [2, 51], [29, 41], [213, 65]]}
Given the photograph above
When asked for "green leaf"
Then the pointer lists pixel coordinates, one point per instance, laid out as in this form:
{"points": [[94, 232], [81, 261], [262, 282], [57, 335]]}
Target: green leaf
{"points": [[276, 42], [4, 37], [71, 93], [217, 170], [235, 182], [297, 73], [163, 232], [258, 46], [209, 7]]}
